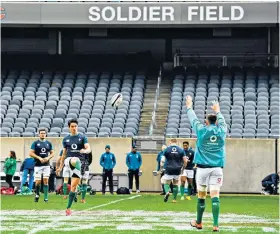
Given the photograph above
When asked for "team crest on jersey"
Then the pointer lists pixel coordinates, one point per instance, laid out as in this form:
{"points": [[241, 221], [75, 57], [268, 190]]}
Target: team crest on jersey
{"points": [[213, 139], [174, 149]]}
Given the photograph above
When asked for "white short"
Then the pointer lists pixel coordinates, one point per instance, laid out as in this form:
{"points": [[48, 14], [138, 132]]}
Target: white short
{"points": [[39, 171], [212, 177], [188, 173], [67, 171], [170, 177]]}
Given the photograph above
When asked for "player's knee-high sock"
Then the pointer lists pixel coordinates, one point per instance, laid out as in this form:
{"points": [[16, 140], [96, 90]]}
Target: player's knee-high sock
{"points": [[65, 188], [182, 189], [84, 191], [70, 199], [189, 189], [46, 191], [77, 169], [37, 189], [166, 188], [200, 210], [215, 210], [175, 191]]}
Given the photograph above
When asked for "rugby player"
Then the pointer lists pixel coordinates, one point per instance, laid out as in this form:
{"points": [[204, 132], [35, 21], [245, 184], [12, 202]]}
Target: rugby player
{"points": [[42, 151], [173, 160], [75, 146], [188, 172], [210, 159]]}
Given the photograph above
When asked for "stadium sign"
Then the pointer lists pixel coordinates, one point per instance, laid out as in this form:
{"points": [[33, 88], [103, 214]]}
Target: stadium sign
{"points": [[138, 14], [163, 13]]}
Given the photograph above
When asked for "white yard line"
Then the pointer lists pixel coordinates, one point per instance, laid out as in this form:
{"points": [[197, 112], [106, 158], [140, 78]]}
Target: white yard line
{"points": [[56, 220], [112, 202]]}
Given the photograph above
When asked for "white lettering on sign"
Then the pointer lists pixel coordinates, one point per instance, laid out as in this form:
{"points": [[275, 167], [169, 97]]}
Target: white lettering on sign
{"points": [[134, 14], [214, 13]]}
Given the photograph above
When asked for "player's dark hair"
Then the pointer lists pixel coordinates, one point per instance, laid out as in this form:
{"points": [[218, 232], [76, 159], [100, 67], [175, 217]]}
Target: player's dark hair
{"points": [[42, 130], [186, 142], [13, 154], [72, 121], [212, 119]]}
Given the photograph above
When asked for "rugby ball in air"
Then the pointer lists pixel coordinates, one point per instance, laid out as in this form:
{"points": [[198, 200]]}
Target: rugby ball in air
{"points": [[116, 100]]}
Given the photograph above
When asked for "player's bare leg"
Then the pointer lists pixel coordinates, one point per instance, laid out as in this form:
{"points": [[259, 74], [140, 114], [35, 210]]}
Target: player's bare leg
{"points": [[75, 163], [46, 188], [175, 190], [182, 187], [190, 187], [202, 193], [215, 197]]}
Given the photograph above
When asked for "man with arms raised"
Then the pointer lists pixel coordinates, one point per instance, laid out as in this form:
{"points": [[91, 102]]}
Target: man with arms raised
{"points": [[75, 146], [42, 151], [210, 160]]}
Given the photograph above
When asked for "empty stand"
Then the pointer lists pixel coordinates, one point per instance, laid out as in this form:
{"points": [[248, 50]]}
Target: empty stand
{"points": [[33, 100], [249, 102]]}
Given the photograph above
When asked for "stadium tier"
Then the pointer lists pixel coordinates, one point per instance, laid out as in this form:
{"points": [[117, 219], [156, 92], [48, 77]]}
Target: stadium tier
{"points": [[32, 100], [249, 102]]}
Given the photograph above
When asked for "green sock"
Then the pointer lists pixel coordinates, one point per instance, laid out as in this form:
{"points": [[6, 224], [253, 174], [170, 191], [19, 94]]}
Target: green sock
{"points": [[65, 188], [38, 188], [182, 190], [84, 191], [200, 210], [70, 199], [166, 188], [175, 191], [215, 210], [46, 191], [189, 189]]}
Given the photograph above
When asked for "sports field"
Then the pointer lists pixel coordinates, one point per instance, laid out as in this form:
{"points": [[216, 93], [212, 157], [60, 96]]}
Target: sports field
{"points": [[145, 213]]}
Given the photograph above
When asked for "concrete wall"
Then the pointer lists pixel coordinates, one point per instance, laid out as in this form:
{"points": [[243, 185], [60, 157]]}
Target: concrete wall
{"points": [[119, 146], [248, 161]]}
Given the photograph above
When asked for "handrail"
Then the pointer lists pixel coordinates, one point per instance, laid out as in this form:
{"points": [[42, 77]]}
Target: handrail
{"points": [[153, 122], [226, 57]]}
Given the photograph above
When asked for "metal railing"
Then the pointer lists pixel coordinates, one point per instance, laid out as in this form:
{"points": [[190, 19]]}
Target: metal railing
{"points": [[251, 59], [153, 122]]}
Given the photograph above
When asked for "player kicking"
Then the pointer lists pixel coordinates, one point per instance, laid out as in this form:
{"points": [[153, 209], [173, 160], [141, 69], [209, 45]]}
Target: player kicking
{"points": [[173, 159], [210, 159], [75, 146], [42, 151]]}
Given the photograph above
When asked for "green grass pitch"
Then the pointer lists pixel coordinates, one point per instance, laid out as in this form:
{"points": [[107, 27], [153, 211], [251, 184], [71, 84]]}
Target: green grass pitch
{"points": [[144, 213]]}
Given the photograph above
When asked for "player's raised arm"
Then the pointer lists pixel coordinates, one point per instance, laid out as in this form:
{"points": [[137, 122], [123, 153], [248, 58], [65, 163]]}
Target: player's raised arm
{"points": [[196, 125], [220, 118]]}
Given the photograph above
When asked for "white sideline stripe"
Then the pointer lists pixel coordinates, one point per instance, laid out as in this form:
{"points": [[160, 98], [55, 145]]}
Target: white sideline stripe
{"points": [[267, 229], [55, 220], [112, 202]]}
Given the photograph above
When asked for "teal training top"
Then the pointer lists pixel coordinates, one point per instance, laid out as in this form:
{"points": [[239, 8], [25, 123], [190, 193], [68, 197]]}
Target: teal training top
{"points": [[210, 145]]}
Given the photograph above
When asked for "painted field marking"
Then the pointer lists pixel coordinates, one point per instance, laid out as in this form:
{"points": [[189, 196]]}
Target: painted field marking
{"points": [[56, 220]]}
